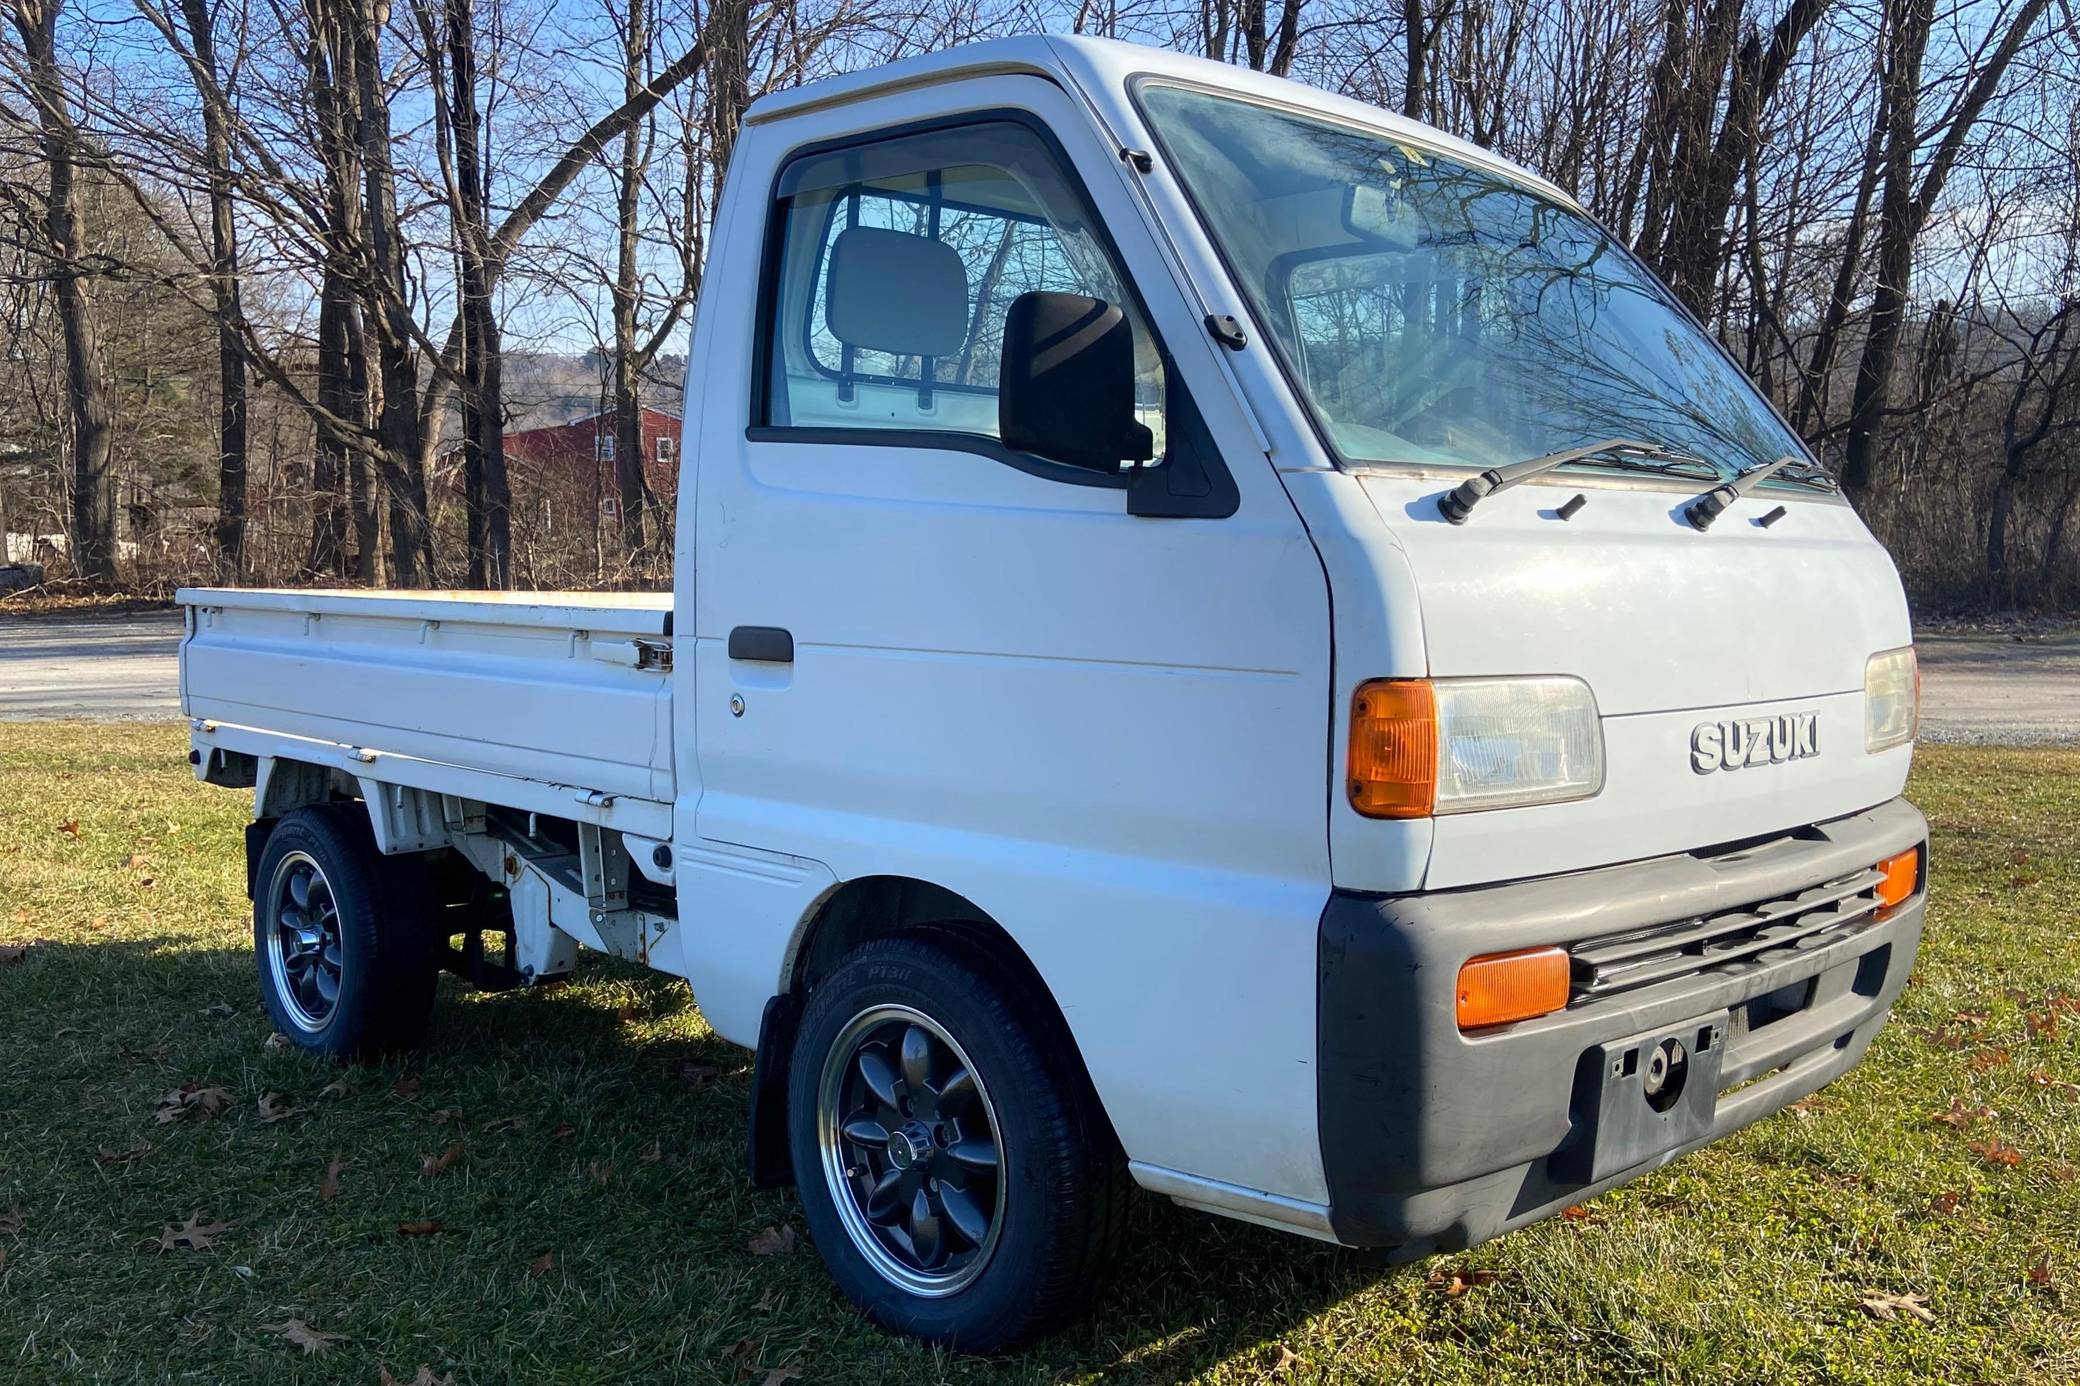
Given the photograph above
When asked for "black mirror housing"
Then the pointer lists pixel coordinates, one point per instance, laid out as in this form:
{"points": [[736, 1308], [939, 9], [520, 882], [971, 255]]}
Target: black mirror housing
{"points": [[1066, 383]]}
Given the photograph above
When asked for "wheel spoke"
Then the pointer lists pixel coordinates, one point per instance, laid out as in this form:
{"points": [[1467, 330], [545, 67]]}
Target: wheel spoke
{"points": [[917, 1059], [964, 1212], [958, 1091], [328, 987], [865, 1130], [925, 1239], [885, 1200], [879, 1074], [300, 887], [976, 1152]]}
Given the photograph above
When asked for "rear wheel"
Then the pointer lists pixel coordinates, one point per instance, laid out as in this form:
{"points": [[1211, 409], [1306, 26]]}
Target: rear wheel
{"points": [[953, 1166], [340, 938]]}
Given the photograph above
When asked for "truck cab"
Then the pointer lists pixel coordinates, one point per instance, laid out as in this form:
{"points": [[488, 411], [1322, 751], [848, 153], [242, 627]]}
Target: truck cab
{"points": [[1224, 641]]}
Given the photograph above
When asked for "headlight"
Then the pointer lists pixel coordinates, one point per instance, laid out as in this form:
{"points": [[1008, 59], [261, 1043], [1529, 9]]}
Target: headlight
{"points": [[1891, 699], [1421, 746]]}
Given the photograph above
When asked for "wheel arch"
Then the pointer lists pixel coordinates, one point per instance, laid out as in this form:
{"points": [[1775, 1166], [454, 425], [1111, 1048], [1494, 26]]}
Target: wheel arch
{"points": [[859, 911]]}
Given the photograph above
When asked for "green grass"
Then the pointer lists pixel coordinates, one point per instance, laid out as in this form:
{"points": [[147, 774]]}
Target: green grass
{"points": [[1743, 1263]]}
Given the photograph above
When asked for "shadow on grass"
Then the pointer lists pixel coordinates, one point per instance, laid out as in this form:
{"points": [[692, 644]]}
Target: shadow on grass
{"points": [[630, 1141]]}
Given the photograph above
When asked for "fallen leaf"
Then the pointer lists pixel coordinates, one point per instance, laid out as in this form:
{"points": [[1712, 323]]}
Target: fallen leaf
{"points": [[447, 1114], [626, 1012], [11, 1222], [311, 1340], [1946, 1203], [1961, 1116], [70, 827], [1988, 1058], [564, 1128], [2063, 1172], [190, 1100], [196, 1235], [105, 1156], [1457, 1280], [274, 1107], [328, 1186], [780, 1376], [2039, 1274], [1995, 1151], [601, 1172], [1283, 1360], [431, 1165], [511, 1123], [276, 1042], [405, 1087], [423, 1377], [772, 1241], [542, 1265], [2071, 1091], [1880, 1305], [654, 1154], [133, 861], [419, 1227], [1807, 1107], [2043, 1026], [1579, 1212], [218, 1010]]}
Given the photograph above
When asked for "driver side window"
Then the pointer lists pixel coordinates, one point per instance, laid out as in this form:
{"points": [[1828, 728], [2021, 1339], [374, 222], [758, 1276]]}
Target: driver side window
{"points": [[898, 261]]}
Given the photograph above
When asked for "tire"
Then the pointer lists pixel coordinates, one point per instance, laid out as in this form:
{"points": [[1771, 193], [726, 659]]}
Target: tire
{"points": [[998, 1257], [340, 939]]}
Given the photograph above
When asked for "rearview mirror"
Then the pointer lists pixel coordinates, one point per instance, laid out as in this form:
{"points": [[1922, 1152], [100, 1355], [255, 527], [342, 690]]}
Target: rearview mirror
{"points": [[1066, 386]]}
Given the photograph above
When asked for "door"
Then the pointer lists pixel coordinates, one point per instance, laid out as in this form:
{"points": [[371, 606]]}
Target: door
{"points": [[923, 653]]}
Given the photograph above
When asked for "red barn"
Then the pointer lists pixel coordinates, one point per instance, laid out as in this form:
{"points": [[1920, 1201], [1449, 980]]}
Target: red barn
{"points": [[562, 473]]}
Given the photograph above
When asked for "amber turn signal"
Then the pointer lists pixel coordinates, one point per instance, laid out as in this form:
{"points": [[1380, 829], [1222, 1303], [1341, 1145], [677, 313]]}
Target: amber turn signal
{"points": [[1500, 987], [1900, 875], [1393, 748]]}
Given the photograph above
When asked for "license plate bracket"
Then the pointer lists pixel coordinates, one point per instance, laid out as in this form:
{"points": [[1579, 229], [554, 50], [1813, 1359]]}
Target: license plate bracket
{"points": [[1643, 1096]]}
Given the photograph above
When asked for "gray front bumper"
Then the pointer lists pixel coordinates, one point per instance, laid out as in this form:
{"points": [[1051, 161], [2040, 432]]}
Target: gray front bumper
{"points": [[1433, 1140]]}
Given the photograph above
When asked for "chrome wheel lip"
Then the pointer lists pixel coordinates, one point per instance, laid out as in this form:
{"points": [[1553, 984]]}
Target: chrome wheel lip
{"points": [[837, 1062], [279, 933]]}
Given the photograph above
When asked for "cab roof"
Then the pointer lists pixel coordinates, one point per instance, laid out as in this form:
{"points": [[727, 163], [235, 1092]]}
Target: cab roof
{"points": [[1097, 66]]}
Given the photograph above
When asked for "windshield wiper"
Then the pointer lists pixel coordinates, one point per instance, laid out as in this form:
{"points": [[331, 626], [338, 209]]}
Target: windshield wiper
{"points": [[1459, 502], [1712, 504]]}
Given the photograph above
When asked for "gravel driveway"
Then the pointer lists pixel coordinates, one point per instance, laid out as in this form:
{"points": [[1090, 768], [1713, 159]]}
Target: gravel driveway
{"points": [[1985, 689]]}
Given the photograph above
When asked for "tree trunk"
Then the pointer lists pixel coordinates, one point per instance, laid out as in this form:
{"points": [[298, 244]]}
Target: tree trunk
{"points": [[92, 518], [224, 293], [628, 412]]}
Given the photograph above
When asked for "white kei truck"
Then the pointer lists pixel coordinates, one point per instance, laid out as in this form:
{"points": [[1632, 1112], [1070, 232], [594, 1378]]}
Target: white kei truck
{"points": [[1224, 641]]}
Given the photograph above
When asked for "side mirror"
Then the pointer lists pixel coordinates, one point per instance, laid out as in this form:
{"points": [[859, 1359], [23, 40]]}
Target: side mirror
{"points": [[1066, 384]]}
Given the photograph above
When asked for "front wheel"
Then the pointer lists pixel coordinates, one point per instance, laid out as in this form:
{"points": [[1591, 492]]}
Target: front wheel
{"points": [[953, 1166]]}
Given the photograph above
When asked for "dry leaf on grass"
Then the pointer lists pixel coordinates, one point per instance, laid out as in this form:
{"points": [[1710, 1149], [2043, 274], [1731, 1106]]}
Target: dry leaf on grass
{"points": [[443, 1115], [11, 1222], [190, 1099], [276, 1043], [275, 1107], [1995, 1151], [1882, 1306], [406, 1086], [423, 1377], [311, 1340], [600, 1172], [420, 1227], [2039, 1274], [104, 1156], [1459, 1279], [1989, 1058], [541, 1265], [1283, 1359], [336, 1088], [196, 1235], [654, 1154], [70, 827], [1580, 1212], [503, 1124], [2070, 1091], [773, 1241], [218, 1010], [780, 1376], [1960, 1116], [431, 1165], [1946, 1203], [328, 1186], [564, 1128]]}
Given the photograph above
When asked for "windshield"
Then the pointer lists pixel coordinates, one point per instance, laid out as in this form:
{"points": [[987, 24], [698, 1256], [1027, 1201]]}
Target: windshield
{"points": [[1437, 314]]}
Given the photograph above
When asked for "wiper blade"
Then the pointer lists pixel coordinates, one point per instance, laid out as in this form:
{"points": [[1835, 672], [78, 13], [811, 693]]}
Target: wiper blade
{"points": [[1459, 502], [1712, 504]]}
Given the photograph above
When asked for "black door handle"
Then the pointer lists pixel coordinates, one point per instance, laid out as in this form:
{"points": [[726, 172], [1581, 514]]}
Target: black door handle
{"points": [[770, 644]]}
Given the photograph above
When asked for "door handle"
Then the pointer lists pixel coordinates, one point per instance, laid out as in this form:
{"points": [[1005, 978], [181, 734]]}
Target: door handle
{"points": [[768, 644]]}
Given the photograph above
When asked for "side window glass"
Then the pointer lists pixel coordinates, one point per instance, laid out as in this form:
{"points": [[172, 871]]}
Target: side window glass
{"points": [[898, 261]]}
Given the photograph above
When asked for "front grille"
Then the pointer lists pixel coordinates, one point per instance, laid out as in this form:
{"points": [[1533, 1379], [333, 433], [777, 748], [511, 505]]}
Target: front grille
{"points": [[1754, 935]]}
